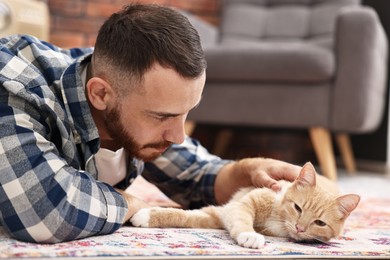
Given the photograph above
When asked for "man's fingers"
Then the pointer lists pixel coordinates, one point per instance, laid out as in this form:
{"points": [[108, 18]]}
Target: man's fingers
{"points": [[269, 179], [289, 172], [262, 179]]}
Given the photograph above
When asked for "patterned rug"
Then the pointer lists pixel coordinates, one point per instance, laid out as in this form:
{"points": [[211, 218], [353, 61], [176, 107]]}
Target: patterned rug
{"points": [[367, 235]]}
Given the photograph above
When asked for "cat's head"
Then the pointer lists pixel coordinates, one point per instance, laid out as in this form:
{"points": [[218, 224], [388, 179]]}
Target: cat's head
{"points": [[311, 211]]}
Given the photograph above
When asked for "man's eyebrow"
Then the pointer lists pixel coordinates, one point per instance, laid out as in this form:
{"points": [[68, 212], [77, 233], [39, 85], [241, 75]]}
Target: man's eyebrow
{"points": [[161, 114], [167, 114]]}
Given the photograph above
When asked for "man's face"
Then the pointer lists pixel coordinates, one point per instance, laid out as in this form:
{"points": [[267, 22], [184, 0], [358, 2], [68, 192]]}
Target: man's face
{"points": [[147, 122]]}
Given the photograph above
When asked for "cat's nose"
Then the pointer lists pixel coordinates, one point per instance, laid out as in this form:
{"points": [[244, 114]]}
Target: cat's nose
{"points": [[299, 228]]}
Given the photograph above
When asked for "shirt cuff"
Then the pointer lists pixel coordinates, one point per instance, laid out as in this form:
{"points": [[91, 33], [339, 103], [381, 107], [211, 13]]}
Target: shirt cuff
{"points": [[208, 181], [116, 209]]}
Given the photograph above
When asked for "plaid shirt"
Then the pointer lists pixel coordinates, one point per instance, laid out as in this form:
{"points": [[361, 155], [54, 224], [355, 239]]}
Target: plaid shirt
{"points": [[49, 190]]}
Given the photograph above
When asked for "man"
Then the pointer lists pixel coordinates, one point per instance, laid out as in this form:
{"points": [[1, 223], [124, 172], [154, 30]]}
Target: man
{"points": [[76, 123]]}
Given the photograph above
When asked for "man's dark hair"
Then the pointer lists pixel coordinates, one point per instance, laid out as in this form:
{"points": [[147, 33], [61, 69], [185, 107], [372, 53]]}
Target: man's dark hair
{"points": [[138, 36]]}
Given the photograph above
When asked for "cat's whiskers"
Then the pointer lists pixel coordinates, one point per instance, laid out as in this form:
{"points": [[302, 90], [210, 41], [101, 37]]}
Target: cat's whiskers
{"points": [[314, 238], [290, 228], [304, 236]]}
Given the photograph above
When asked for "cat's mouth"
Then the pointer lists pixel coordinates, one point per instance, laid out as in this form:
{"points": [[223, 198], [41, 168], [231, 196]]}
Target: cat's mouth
{"points": [[310, 241], [306, 239]]}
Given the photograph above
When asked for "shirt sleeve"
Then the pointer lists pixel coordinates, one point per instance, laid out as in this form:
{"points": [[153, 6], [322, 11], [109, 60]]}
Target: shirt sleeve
{"points": [[186, 173], [42, 197]]}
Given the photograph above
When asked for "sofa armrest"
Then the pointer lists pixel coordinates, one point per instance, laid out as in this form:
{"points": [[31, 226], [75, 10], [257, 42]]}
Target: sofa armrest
{"points": [[361, 51]]}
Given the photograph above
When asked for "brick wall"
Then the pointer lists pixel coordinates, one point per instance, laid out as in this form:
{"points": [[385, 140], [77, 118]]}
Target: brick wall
{"points": [[74, 23]]}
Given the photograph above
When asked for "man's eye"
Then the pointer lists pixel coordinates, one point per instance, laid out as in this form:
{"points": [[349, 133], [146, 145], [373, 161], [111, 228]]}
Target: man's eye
{"points": [[161, 118]]}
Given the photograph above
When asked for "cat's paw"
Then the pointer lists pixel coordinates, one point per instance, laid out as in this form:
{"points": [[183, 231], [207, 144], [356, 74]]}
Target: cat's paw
{"points": [[251, 240], [141, 218]]}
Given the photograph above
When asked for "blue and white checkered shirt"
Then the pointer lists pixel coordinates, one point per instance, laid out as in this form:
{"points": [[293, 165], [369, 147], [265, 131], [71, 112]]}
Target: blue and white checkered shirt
{"points": [[49, 192]]}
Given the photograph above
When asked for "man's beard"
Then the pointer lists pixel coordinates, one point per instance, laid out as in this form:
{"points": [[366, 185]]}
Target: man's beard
{"points": [[117, 131]]}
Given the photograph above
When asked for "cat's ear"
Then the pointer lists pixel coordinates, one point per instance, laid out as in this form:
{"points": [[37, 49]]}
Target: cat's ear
{"points": [[348, 202], [307, 176]]}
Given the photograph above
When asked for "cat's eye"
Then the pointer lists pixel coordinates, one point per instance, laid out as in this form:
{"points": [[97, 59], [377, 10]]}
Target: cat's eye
{"points": [[320, 223], [297, 208]]}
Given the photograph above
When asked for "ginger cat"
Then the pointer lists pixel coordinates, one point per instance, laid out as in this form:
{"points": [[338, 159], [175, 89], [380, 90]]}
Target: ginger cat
{"points": [[308, 209]]}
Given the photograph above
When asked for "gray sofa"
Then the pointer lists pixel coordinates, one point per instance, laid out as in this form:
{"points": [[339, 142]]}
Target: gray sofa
{"points": [[314, 64]]}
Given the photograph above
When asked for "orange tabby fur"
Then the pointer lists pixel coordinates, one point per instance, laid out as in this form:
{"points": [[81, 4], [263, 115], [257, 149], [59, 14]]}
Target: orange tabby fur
{"points": [[309, 209]]}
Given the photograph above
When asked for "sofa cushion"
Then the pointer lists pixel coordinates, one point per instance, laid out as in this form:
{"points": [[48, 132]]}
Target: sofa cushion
{"points": [[236, 60], [259, 22], [264, 19]]}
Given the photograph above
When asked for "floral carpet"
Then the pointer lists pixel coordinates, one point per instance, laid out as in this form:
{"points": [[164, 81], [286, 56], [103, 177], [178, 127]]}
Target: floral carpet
{"points": [[367, 235]]}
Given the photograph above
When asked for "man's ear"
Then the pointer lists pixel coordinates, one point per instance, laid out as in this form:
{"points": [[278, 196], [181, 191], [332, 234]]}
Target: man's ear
{"points": [[100, 93]]}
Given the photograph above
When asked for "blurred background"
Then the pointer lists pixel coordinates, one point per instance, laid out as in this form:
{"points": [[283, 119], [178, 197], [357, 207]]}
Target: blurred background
{"points": [[74, 23]]}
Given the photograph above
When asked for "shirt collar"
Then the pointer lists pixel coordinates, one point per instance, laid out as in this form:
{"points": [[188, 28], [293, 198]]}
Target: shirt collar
{"points": [[76, 102]]}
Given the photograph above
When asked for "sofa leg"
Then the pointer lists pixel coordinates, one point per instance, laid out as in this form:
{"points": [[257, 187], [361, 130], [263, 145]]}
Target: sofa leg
{"points": [[322, 143], [346, 151]]}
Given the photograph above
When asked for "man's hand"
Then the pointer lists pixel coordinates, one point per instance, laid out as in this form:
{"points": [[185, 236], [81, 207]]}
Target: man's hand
{"points": [[134, 204], [258, 172], [266, 172]]}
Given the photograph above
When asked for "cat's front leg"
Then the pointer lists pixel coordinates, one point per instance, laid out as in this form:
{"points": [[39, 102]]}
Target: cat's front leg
{"points": [[159, 217], [173, 217], [238, 219], [250, 240], [141, 218]]}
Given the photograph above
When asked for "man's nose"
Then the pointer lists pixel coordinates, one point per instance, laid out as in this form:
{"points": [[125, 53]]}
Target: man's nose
{"points": [[175, 132]]}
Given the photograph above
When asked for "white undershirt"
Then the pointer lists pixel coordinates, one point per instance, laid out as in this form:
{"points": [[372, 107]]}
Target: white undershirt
{"points": [[111, 166]]}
